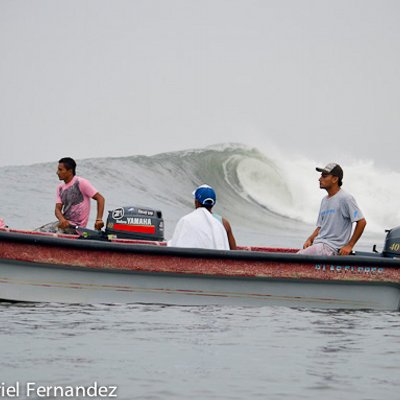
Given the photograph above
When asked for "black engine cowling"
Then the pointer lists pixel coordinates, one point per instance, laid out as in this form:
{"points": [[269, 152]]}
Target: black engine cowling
{"points": [[133, 222], [392, 243]]}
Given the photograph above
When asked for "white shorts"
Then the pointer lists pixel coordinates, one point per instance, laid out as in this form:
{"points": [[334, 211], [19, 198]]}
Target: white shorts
{"points": [[318, 249]]}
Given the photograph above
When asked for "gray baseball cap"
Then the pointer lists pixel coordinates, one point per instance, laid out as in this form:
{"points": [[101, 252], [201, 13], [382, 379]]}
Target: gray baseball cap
{"points": [[332, 169]]}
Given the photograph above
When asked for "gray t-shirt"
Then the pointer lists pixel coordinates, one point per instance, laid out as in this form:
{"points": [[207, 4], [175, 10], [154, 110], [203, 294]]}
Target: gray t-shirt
{"points": [[336, 216]]}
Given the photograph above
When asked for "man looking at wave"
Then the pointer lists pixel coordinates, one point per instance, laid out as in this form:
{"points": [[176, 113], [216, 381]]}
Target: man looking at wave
{"points": [[201, 228], [73, 199], [338, 212]]}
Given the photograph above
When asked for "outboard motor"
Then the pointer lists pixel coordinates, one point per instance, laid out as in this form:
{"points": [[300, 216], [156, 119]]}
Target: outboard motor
{"points": [[140, 223], [392, 243]]}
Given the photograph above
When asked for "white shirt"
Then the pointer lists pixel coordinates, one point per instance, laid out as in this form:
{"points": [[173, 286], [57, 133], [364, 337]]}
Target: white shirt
{"points": [[200, 229]]}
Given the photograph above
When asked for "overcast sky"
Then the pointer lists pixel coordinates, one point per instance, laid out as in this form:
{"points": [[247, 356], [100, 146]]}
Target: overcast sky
{"points": [[91, 78]]}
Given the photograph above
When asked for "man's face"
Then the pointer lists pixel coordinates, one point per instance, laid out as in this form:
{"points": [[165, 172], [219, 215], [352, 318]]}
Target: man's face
{"points": [[326, 181], [63, 173]]}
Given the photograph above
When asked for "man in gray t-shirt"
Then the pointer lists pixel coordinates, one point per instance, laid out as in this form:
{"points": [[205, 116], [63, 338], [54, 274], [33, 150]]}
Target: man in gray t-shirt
{"points": [[338, 212]]}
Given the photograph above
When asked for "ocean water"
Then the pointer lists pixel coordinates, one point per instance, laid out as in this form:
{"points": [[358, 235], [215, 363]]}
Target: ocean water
{"points": [[169, 352]]}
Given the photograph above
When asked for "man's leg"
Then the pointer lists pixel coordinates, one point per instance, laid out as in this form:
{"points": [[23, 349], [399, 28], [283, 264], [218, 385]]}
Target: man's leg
{"points": [[318, 249]]}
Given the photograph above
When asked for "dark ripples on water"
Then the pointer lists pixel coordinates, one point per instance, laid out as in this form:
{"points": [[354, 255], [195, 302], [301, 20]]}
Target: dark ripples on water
{"points": [[168, 352]]}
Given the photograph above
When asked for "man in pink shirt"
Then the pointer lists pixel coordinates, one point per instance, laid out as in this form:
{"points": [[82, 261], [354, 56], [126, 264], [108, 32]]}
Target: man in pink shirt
{"points": [[73, 198]]}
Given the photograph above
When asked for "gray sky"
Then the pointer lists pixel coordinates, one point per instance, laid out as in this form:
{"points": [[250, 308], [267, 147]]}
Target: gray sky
{"points": [[91, 78]]}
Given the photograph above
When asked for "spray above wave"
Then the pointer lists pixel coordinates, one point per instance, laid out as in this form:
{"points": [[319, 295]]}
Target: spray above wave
{"points": [[254, 190]]}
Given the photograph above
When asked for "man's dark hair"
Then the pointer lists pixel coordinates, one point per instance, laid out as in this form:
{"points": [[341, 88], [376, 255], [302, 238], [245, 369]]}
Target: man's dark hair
{"points": [[69, 163], [337, 171], [207, 205]]}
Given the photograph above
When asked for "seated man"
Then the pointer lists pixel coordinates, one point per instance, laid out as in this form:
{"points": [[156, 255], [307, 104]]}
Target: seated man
{"points": [[201, 228], [73, 201], [338, 212]]}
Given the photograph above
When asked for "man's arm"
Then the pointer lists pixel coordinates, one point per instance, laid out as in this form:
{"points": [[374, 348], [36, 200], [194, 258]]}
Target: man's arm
{"points": [[358, 231], [100, 210], [310, 240], [64, 224], [231, 238]]}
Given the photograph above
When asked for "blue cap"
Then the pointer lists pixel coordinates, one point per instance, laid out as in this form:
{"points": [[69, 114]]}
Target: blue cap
{"points": [[205, 195]]}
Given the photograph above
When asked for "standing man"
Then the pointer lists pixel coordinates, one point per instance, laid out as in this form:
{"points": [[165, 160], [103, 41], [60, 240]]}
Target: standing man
{"points": [[337, 214], [201, 228], [73, 198]]}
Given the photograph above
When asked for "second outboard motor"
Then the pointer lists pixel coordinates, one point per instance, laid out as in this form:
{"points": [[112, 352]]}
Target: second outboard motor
{"points": [[133, 222], [392, 243]]}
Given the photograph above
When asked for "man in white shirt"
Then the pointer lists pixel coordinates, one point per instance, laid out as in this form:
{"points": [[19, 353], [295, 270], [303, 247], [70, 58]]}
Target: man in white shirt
{"points": [[201, 228]]}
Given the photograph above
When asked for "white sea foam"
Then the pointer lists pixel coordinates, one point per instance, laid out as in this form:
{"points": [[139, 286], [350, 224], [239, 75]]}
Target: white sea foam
{"points": [[289, 186]]}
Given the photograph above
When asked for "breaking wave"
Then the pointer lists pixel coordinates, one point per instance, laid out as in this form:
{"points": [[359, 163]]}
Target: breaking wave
{"points": [[266, 193]]}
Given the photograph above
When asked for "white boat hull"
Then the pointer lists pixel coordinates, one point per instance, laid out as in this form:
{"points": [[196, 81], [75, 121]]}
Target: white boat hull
{"points": [[50, 283]]}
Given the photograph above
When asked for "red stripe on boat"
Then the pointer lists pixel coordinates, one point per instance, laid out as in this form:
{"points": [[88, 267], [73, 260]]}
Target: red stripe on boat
{"points": [[136, 228]]}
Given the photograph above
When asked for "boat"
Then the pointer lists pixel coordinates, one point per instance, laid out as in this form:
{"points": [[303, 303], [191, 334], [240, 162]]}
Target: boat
{"points": [[95, 268]]}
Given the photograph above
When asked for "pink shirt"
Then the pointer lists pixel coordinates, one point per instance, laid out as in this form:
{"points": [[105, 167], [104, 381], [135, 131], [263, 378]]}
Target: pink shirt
{"points": [[75, 199], [2, 223]]}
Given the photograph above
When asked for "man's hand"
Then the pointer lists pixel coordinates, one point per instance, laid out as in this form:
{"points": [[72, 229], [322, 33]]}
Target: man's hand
{"points": [[346, 250], [307, 243], [64, 224], [98, 224]]}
